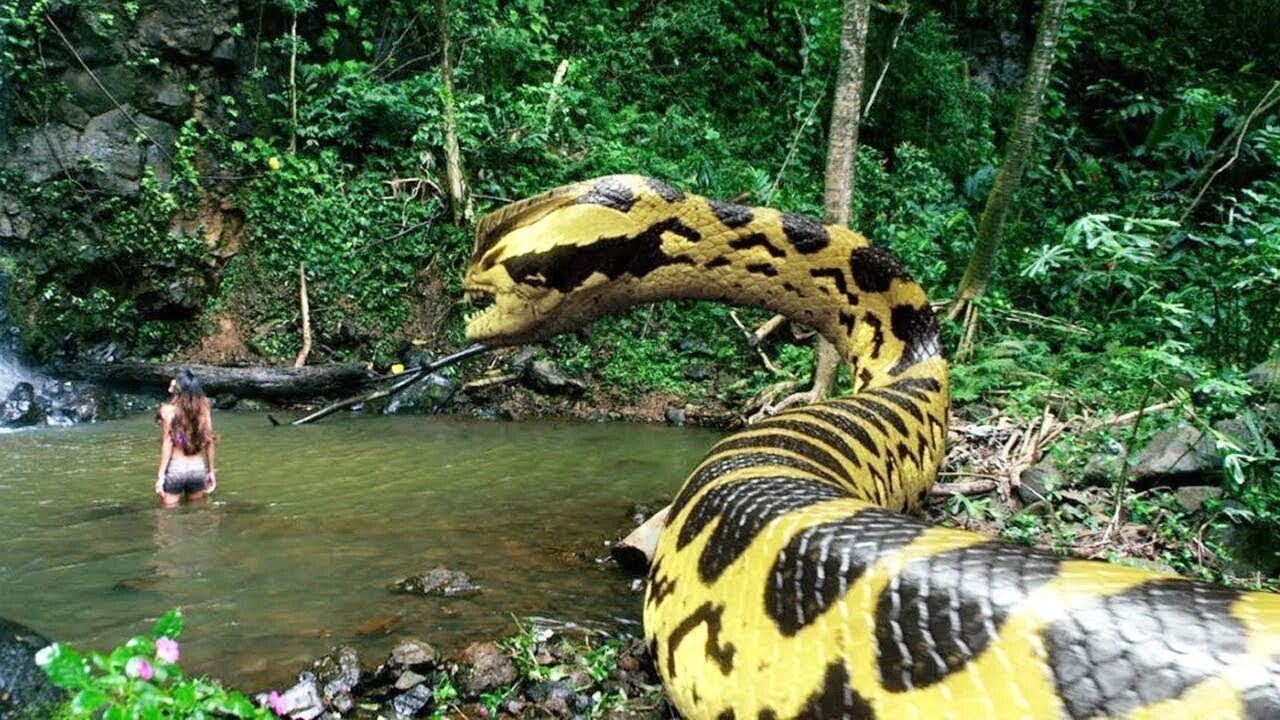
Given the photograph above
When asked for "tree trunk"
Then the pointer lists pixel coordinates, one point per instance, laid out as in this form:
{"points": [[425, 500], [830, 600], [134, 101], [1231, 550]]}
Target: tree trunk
{"points": [[458, 201], [273, 384], [982, 263], [842, 147], [293, 84]]}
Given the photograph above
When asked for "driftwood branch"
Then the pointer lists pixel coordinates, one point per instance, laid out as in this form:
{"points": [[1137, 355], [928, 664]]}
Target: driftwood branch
{"points": [[306, 318], [407, 379], [1263, 106]]}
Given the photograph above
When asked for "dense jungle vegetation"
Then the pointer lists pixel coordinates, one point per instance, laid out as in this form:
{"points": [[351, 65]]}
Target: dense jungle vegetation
{"points": [[1140, 265]]}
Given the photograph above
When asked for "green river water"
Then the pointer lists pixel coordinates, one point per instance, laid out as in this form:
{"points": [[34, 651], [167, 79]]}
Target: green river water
{"points": [[294, 552]]}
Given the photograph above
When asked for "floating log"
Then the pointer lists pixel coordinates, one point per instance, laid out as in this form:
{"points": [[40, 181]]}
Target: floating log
{"points": [[272, 384], [635, 551]]}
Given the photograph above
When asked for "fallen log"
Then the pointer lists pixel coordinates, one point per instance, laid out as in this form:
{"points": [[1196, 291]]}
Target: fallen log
{"points": [[261, 382], [635, 551]]}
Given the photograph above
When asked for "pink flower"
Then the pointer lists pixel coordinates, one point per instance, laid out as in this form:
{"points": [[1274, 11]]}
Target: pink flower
{"points": [[139, 667], [167, 649], [277, 704]]}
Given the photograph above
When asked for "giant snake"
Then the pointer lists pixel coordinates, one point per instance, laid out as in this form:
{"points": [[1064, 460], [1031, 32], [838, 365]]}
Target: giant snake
{"points": [[789, 580]]}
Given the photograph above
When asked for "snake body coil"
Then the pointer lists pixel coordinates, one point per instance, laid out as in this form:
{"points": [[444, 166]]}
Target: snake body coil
{"points": [[787, 582]]}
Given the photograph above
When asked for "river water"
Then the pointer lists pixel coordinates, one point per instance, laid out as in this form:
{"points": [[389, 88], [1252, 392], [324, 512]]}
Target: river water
{"points": [[294, 552]]}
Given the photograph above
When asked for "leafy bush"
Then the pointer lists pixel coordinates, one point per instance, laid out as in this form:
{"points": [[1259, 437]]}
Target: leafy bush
{"points": [[141, 680]]}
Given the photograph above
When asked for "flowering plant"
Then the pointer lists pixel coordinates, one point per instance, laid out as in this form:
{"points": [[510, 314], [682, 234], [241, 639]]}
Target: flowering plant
{"points": [[141, 680]]}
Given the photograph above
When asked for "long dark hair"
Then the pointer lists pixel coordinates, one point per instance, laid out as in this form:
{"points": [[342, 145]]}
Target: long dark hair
{"points": [[190, 428]]}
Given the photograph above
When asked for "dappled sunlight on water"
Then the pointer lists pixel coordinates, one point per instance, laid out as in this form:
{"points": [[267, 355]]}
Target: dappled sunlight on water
{"points": [[309, 526]]}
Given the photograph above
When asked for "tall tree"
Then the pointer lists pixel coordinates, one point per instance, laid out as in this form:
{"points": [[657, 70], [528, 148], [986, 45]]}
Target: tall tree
{"points": [[991, 226], [459, 203], [842, 146]]}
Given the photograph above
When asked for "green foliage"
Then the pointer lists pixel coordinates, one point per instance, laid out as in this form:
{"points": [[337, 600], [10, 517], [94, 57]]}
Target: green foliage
{"points": [[141, 680]]}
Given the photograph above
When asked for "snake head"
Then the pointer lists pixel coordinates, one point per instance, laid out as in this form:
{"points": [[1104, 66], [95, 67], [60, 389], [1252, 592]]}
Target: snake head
{"points": [[557, 261]]}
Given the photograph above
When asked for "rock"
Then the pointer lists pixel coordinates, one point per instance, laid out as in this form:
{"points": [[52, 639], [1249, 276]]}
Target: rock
{"points": [[190, 30], [300, 702], [545, 377], [1265, 377], [109, 145], [696, 371], [414, 655], [25, 690], [410, 703], [338, 676], [22, 407], [425, 396], [484, 667], [1037, 481], [1177, 456], [438, 581], [408, 679], [555, 698], [1101, 470], [1192, 497], [674, 416], [225, 401]]}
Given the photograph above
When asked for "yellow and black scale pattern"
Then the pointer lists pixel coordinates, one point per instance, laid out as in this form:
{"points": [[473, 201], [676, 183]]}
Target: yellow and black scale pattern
{"points": [[788, 582]]}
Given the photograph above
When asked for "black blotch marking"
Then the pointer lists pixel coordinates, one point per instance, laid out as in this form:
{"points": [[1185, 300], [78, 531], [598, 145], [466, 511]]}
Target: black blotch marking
{"points": [[709, 615], [848, 321], [660, 586], [805, 234], [942, 611], [732, 215], [866, 377], [762, 462], [716, 262], [566, 267], [793, 421], [727, 715], [762, 269], [848, 426], [800, 446], [835, 699], [1150, 643], [821, 563], [885, 413], [767, 714], [874, 270], [837, 277], [744, 508], [792, 289], [865, 415], [665, 191], [905, 403], [611, 192], [877, 337], [917, 328], [757, 240]]}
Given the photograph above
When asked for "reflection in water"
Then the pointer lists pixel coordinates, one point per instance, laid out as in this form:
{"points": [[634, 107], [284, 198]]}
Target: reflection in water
{"points": [[186, 539], [310, 525]]}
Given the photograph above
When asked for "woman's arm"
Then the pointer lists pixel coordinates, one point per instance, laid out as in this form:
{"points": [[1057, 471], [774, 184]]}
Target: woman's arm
{"points": [[166, 446], [211, 473]]}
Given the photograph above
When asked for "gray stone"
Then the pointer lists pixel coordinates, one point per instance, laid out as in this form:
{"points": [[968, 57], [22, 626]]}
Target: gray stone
{"points": [[1036, 482], [410, 703], [187, 29], [408, 679], [1177, 456], [22, 407], [438, 581], [1192, 497], [300, 702], [546, 377], [484, 667], [338, 674], [1265, 376], [414, 654], [25, 690], [1101, 469], [41, 153], [696, 371], [674, 416]]}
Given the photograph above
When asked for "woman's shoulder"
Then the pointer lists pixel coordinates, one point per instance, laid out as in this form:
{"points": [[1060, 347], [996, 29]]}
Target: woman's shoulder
{"points": [[166, 411]]}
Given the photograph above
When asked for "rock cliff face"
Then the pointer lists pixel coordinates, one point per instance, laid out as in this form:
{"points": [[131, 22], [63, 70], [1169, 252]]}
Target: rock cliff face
{"points": [[131, 79]]}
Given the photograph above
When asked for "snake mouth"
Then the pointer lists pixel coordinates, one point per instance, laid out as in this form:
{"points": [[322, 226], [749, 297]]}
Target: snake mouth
{"points": [[479, 301]]}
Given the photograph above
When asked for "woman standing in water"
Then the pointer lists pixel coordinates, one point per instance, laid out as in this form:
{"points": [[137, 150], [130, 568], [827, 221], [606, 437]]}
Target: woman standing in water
{"points": [[186, 448]]}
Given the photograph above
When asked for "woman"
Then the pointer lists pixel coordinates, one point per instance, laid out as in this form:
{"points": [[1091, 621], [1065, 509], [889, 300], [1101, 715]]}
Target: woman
{"points": [[186, 449]]}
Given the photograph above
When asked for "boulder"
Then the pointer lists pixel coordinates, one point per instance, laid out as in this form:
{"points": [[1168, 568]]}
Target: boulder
{"points": [[338, 676], [1265, 377], [300, 702], [1179, 455], [439, 581], [22, 407], [1035, 483], [546, 377], [25, 690], [483, 667]]}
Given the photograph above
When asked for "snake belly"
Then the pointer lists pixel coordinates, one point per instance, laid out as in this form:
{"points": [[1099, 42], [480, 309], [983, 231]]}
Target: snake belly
{"points": [[791, 580]]}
